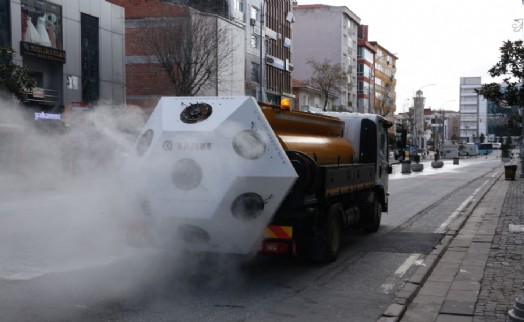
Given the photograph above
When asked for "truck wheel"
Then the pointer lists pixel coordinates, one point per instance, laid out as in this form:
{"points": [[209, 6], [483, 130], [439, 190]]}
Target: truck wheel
{"points": [[372, 219], [333, 231]]}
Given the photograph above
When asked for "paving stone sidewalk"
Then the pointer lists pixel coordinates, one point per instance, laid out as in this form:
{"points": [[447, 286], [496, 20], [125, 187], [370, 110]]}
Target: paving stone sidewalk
{"points": [[504, 273], [476, 273]]}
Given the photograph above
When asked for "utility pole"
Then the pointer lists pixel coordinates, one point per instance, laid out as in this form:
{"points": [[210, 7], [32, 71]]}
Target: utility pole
{"points": [[261, 78]]}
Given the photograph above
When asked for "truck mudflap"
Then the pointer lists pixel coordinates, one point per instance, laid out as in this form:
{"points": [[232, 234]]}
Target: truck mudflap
{"points": [[278, 240]]}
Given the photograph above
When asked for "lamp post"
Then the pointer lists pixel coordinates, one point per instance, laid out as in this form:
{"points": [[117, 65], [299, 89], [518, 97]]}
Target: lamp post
{"points": [[518, 26], [442, 113], [261, 96]]}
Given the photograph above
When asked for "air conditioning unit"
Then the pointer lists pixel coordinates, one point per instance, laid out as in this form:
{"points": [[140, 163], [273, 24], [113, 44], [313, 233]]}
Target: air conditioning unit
{"points": [[252, 22]]}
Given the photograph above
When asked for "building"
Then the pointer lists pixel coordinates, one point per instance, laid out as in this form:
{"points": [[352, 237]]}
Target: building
{"points": [[268, 39], [256, 33], [365, 74], [309, 98], [384, 82], [73, 49], [159, 33], [327, 33], [443, 125], [473, 110]]}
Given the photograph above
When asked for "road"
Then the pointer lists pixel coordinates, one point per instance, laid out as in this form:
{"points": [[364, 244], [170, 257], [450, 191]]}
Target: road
{"points": [[55, 267]]}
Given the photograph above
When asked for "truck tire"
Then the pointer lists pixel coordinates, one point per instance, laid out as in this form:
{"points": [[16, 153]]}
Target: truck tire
{"points": [[371, 221], [333, 232]]}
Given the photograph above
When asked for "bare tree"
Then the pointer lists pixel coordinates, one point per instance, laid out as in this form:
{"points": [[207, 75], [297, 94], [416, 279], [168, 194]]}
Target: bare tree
{"points": [[329, 78], [193, 50], [384, 105]]}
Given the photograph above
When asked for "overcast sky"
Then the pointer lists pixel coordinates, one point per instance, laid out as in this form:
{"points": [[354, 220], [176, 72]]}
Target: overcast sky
{"points": [[437, 41]]}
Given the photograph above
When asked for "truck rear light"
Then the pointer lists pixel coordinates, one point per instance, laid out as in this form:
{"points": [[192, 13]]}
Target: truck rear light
{"points": [[275, 247]]}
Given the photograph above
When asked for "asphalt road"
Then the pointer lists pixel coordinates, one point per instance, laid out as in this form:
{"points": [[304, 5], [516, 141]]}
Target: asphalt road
{"points": [[63, 259]]}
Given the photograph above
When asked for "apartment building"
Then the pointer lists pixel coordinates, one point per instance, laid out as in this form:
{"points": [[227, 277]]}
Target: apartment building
{"points": [[268, 40], [321, 33], [472, 109], [256, 33], [73, 50], [365, 74], [384, 81], [159, 32]]}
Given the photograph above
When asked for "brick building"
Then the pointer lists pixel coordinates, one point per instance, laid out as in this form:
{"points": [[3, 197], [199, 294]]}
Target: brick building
{"points": [[212, 38]]}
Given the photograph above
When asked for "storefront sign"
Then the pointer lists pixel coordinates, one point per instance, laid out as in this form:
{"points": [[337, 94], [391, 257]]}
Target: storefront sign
{"points": [[47, 116], [42, 52]]}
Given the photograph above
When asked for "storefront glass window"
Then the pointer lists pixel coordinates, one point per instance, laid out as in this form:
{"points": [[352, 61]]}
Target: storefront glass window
{"points": [[42, 23], [5, 24]]}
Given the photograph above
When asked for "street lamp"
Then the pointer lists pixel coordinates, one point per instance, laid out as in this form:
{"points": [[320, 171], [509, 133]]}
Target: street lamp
{"points": [[442, 113], [261, 97]]}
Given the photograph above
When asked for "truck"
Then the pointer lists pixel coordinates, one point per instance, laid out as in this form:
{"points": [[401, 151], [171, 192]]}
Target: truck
{"points": [[233, 175], [469, 149]]}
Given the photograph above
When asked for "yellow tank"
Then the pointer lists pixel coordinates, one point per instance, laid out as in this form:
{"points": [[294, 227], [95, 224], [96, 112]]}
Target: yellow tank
{"points": [[318, 136]]}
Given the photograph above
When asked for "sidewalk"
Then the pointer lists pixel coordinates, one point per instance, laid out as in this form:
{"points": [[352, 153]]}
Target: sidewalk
{"points": [[477, 272]]}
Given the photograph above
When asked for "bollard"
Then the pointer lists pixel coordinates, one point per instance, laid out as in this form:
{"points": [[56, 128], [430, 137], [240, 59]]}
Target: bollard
{"points": [[406, 166], [517, 313], [417, 167], [455, 160], [437, 164]]}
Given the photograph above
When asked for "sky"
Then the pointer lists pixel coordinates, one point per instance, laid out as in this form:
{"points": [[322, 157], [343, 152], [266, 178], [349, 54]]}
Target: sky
{"points": [[437, 41]]}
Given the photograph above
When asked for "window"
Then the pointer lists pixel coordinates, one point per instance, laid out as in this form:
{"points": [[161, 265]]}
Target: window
{"points": [[254, 13], [255, 68], [383, 141], [41, 23], [5, 24], [364, 70], [89, 58], [239, 5], [255, 40]]}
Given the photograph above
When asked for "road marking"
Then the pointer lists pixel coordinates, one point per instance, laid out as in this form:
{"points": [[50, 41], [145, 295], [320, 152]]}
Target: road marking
{"points": [[481, 186], [401, 271], [442, 228]]}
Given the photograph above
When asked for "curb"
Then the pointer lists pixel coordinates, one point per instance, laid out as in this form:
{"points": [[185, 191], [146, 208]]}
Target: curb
{"points": [[405, 295]]}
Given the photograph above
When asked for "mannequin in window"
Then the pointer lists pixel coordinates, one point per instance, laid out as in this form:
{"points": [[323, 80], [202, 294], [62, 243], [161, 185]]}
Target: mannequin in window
{"points": [[44, 36], [50, 26], [30, 33]]}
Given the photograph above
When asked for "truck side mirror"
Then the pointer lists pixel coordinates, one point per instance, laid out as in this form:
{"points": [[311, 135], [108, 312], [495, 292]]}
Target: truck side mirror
{"points": [[401, 138]]}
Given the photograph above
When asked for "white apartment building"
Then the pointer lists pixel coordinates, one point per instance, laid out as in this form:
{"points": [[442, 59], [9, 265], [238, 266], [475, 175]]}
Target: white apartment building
{"points": [[323, 32], [473, 110]]}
